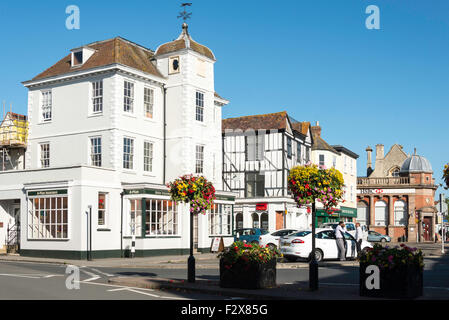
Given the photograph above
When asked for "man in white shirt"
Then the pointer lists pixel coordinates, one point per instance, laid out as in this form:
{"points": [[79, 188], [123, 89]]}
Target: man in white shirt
{"points": [[340, 238], [358, 237]]}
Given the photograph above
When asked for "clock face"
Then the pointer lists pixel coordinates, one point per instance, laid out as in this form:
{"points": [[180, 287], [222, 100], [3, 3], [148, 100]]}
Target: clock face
{"points": [[175, 64]]}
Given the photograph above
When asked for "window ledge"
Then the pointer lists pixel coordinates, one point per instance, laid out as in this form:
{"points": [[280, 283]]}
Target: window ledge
{"points": [[96, 114], [59, 240]]}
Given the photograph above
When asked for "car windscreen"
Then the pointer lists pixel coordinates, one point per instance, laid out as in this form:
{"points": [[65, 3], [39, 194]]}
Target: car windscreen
{"points": [[263, 231], [301, 233]]}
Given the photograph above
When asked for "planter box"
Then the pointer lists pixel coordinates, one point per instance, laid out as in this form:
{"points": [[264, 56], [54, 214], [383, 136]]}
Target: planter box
{"points": [[401, 282], [244, 275]]}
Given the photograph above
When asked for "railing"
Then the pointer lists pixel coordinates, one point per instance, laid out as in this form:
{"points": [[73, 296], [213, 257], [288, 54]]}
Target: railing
{"points": [[383, 181], [13, 238]]}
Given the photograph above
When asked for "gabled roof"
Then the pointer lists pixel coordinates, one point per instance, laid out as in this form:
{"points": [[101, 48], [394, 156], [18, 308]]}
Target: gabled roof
{"points": [[11, 116], [301, 127], [320, 144], [107, 52], [257, 122], [184, 41]]}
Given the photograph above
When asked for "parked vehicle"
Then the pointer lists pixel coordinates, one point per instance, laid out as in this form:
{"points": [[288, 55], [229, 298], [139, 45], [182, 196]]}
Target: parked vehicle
{"points": [[299, 245], [272, 239], [250, 235], [376, 237]]}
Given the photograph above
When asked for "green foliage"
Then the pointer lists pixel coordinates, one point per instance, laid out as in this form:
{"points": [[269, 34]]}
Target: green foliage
{"points": [[248, 253], [310, 182], [386, 257]]}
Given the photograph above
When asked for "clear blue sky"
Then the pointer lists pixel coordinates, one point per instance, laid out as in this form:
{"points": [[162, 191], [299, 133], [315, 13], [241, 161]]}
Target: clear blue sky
{"points": [[314, 59]]}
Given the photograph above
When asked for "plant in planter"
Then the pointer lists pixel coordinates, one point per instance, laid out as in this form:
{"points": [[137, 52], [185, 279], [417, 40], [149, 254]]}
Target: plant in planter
{"points": [[200, 193], [400, 272], [248, 266]]}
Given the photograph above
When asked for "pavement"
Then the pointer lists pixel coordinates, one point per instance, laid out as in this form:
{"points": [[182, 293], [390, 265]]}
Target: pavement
{"points": [[285, 291]]}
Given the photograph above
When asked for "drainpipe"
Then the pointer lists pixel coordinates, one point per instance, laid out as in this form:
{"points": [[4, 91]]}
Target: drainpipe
{"points": [[121, 224], [164, 134]]}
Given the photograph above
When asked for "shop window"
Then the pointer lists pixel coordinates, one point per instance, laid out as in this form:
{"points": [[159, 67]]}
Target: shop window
{"points": [[381, 213], [400, 213], [239, 220], [135, 218], [363, 213], [255, 218], [48, 218], [102, 207], [161, 218], [220, 217], [264, 220]]}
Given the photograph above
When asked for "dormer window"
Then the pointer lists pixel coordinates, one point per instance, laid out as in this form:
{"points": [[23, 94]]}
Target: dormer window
{"points": [[81, 55], [78, 58]]}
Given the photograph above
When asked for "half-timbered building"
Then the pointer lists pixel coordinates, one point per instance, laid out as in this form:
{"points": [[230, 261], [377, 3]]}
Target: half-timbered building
{"points": [[258, 152]]}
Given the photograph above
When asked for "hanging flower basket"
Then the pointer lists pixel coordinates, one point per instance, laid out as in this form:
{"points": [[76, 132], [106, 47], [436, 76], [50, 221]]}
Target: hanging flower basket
{"points": [[248, 266], [400, 272], [197, 191], [310, 183], [446, 176]]}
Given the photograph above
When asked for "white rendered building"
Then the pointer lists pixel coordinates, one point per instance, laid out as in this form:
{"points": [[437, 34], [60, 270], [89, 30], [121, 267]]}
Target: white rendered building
{"points": [[109, 125], [345, 161]]}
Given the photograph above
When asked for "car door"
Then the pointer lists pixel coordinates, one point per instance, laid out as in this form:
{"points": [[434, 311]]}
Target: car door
{"points": [[351, 246], [325, 240]]}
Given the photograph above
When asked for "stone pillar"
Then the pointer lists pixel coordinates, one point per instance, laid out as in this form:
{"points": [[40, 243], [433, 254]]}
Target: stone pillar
{"points": [[371, 211], [391, 218], [412, 226]]}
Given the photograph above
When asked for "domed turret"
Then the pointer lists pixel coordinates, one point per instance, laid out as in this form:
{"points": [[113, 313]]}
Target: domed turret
{"points": [[184, 41], [416, 164]]}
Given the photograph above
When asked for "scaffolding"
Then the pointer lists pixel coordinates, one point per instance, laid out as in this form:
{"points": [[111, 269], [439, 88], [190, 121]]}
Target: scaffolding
{"points": [[13, 139]]}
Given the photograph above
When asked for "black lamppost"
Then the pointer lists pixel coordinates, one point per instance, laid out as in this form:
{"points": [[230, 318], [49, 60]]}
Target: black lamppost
{"points": [[313, 264], [191, 260]]}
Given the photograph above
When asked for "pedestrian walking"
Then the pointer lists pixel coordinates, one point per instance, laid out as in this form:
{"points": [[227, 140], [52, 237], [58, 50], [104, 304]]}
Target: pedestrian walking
{"points": [[340, 238], [358, 237]]}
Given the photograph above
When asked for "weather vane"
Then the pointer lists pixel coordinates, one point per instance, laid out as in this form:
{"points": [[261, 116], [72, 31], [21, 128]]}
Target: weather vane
{"points": [[184, 14]]}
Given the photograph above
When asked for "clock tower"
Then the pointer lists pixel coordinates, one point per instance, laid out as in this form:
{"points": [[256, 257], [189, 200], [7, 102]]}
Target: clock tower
{"points": [[193, 109]]}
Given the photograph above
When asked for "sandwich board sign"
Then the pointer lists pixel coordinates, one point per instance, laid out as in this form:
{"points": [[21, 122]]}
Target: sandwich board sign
{"points": [[217, 244]]}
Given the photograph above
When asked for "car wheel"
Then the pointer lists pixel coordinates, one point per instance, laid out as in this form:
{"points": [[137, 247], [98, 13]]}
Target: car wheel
{"points": [[318, 255], [383, 240], [272, 246], [290, 258]]}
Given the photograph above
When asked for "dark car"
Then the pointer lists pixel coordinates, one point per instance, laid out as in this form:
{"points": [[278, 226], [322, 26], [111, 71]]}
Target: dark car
{"points": [[250, 235]]}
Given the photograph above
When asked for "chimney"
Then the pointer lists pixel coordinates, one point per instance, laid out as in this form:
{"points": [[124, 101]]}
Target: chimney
{"points": [[316, 129], [369, 164], [379, 151]]}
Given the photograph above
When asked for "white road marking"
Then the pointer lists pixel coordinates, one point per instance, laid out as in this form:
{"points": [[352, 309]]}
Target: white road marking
{"points": [[93, 276], [31, 276], [124, 288], [101, 272]]}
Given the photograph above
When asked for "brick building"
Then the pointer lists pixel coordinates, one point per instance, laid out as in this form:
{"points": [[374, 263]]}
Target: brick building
{"points": [[397, 195]]}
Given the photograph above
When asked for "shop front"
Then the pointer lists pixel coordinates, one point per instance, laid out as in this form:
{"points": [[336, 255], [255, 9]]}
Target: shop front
{"points": [[344, 214]]}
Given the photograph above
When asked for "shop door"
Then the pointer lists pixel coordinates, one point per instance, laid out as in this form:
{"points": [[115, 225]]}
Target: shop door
{"points": [[427, 229], [279, 220]]}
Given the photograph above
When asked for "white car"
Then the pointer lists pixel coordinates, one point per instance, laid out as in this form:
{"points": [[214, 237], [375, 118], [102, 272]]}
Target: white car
{"points": [[349, 226], [272, 239], [299, 245]]}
